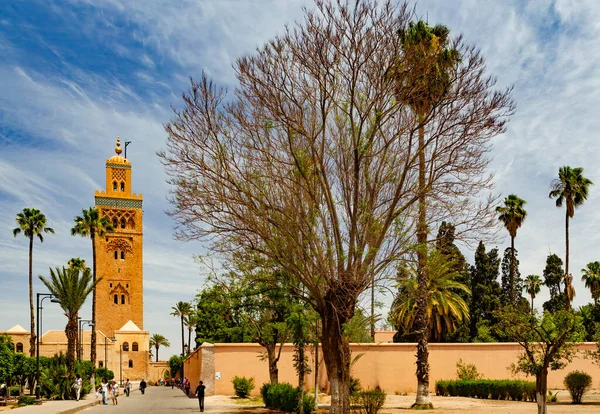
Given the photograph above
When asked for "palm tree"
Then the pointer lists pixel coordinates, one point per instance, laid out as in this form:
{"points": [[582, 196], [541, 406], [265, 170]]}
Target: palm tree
{"points": [[77, 262], [191, 321], [32, 223], [445, 306], [158, 340], [90, 224], [426, 70], [182, 310], [570, 188], [532, 285], [71, 286], [512, 214], [591, 277]]}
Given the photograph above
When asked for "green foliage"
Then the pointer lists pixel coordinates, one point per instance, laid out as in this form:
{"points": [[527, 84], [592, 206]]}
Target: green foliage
{"points": [[578, 383], [15, 391], [467, 372], [25, 400], [552, 398], [357, 329], [485, 289], [158, 340], [84, 368], [175, 365], [354, 387], [505, 285], [493, 389], [284, 397], [56, 380], [103, 372], [7, 356], [243, 386], [220, 321], [370, 401]]}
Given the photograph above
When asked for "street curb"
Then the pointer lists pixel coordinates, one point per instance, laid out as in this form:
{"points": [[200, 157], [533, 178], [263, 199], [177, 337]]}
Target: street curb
{"points": [[79, 408]]}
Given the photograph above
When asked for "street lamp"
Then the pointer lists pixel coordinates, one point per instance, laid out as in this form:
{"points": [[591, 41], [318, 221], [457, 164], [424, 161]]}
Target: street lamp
{"points": [[39, 303], [82, 322]]}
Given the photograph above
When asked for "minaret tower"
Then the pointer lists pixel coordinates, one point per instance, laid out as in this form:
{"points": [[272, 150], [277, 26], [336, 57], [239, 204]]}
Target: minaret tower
{"points": [[119, 253]]}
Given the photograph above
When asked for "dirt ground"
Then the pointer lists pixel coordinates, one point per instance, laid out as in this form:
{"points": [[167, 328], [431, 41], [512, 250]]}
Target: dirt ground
{"points": [[396, 404]]}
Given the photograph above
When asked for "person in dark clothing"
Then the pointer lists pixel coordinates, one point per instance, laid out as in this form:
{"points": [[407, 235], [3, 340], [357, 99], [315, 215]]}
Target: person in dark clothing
{"points": [[200, 394], [142, 386], [187, 386]]}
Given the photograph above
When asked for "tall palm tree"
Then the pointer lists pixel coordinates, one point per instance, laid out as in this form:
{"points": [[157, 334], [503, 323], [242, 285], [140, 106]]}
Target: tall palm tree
{"points": [[182, 310], [77, 263], [512, 214], [90, 224], [32, 223], [156, 341], [426, 69], [591, 277], [190, 322], [570, 188], [71, 286], [445, 306], [532, 285]]}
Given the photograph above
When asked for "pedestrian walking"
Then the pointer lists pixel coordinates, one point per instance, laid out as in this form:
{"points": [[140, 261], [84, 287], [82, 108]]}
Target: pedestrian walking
{"points": [[114, 392], [127, 387], [200, 394], [142, 386], [77, 386], [103, 389], [187, 386]]}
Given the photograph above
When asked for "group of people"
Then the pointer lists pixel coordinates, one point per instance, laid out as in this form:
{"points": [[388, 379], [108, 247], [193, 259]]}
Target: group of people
{"points": [[111, 389]]}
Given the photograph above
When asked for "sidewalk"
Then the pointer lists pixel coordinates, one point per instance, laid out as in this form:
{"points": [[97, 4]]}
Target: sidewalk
{"points": [[69, 406]]}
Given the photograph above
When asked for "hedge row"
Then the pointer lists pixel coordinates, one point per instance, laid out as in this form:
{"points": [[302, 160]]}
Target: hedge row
{"points": [[494, 389], [284, 397]]}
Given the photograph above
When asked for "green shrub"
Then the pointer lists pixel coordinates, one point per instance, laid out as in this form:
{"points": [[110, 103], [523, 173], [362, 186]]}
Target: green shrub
{"points": [[243, 386], [264, 393], [494, 389], [308, 404], [14, 391], [467, 371], [354, 386], [284, 397], [370, 401], [552, 398], [26, 400], [578, 383]]}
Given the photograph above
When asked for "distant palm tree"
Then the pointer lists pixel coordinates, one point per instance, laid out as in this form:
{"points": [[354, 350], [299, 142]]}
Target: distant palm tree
{"points": [[444, 304], [71, 286], [570, 188], [512, 214], [591, 277], [90, 224], [32, 223], [182, 310], [533, 284], [191, 321], [78, 263], [156, 341]]}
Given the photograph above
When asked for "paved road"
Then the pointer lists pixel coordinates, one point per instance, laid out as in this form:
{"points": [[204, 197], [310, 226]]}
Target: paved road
{"points": [[157, 400]]}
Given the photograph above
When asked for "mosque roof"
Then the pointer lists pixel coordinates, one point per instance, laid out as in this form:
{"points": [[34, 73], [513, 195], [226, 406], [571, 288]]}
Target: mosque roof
{"points": [[118, 158], [17, 329], [130, 327]]}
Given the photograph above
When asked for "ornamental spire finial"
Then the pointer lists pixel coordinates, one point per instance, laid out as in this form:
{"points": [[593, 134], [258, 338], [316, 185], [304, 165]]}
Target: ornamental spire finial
{"points": [[118, 147]]}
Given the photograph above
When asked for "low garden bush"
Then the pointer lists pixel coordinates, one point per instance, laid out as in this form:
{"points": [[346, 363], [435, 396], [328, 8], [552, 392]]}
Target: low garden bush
{"points": [[25, 400], [243, 386], [370, 401], [284, 397], [493, 389], [578, 383]]}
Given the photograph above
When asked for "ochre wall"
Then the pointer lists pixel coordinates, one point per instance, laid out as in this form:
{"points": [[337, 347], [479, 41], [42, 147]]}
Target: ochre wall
{"points": [[389, 366]]}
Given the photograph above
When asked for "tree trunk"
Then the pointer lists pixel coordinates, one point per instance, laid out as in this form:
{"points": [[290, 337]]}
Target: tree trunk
{"points": [[93, 335], [301, 374], [336, 349], [273, 359], [189, 340], [182, 338], [71, 332], [532, 304], [156, 353], [373, 308], [422, 319], [32, 338], [512, 270], [541, 384], [568, 302]]}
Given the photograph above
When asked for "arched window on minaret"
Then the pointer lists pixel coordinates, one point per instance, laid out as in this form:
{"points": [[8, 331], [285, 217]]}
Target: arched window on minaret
{"points": [[114, 222], [116, 255], [122, 299], [123, 223], [116, 299], [126, 346], [19, 347], [122, 255], [122, 186], [114, 186], [134, 347]]}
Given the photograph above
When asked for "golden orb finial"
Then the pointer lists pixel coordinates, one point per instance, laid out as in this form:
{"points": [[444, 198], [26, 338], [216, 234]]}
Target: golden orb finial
{"points": [[118, 149]]}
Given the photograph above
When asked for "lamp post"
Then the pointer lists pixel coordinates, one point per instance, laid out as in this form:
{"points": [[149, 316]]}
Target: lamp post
{"points": [[114, 339], [120, 365], [39, 307], [80, 348]]}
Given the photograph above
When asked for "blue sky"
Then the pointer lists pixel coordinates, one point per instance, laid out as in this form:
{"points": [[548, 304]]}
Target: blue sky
{"points": [[75, 74]]}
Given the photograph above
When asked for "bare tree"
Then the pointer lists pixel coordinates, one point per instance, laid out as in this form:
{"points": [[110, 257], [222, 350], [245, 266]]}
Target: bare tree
{"points": [[313, 164]]}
